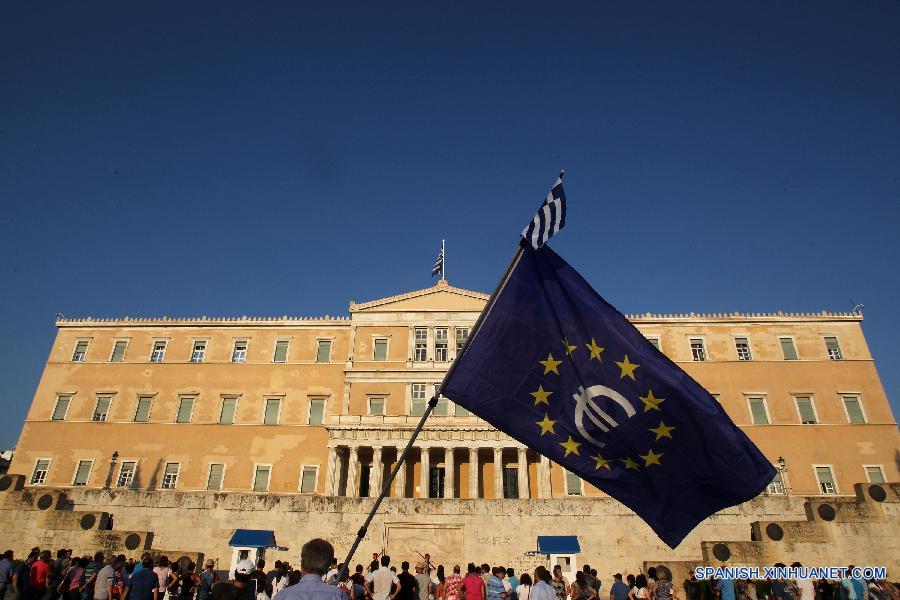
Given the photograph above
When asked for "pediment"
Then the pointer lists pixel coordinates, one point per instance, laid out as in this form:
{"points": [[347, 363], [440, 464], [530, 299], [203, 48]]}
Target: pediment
{"points": [[441, 297]]}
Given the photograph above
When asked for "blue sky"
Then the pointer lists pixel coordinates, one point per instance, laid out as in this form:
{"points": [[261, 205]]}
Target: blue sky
{"points": [[229, 158]]}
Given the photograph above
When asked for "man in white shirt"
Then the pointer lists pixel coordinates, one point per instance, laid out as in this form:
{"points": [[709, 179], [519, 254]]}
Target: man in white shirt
{"points": [[379, 582], [542, 590], [331, 575], [806, 586]]}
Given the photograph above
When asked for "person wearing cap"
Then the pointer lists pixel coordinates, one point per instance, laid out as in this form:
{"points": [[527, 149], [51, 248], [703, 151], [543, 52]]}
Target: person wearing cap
{"points": [[208, 578], [315, 558], [143, 584], [423, 581], [239, 588]]}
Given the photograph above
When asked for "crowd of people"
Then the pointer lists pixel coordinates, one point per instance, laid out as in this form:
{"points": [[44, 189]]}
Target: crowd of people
{"points": [[320, 577]]}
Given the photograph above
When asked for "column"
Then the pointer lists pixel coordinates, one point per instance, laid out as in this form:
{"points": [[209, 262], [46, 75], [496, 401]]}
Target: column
{"points": [[544, 486], [424, 468], [353, 473], [330, 482], [375, 472], [400, 479], [523, 473], [449, 477], [498, 472], [473, 472]]}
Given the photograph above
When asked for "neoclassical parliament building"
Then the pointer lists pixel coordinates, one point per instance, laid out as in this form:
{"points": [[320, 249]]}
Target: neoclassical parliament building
{"points": [[317, 409]]}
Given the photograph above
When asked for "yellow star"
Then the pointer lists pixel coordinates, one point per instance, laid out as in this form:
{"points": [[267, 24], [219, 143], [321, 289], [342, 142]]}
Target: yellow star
{"points": [[650, 402], [570, 446], [550, 364], [540, 396], [630, 464], [650, 458], [546, 425], [569, 349], [601, 462], [595, 350], [663, 431], [627, 368]]}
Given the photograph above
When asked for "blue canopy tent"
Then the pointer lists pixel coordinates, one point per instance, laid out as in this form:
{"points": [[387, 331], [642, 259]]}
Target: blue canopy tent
{"points": [[558, 544], [253, 538]]}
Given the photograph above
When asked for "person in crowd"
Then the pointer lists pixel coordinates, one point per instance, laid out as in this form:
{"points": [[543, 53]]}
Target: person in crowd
{"points": [[188, 582], [357, 577], [331, 577], [143, 583], [6, 572], [618, 590], [559, 583], [408, 584], [208, 578], [315, 558], [270, 578], [40, 576], [21, 575], [258, 576], [523, 590], [453, 585], [91, 568], [105, 580], [542, 588], [513, 582], [640, 590], [495, 588], [664, 590], [725, 589], [473, 585], [581, 589], [72, 579], [381, 581], [824, 590], [281, 579], [441, 578], [423, 582], [485, 572]]}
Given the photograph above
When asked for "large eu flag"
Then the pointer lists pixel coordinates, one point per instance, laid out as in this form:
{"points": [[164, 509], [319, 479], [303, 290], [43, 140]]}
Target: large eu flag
{"points": [[562, 371]]}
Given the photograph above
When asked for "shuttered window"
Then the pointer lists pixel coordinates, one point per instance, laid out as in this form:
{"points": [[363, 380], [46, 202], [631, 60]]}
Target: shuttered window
{"points": [[185, 408], [101, 410], [281, 351], [80, 351], [787, 348], [805, 408], [226, 416], [308, 480], [834, 350], [826, 480], [381, 349], [270, 416], [758, 410], [854, 410], [323, 351], [316, 411], [82, 471], [118, 353], [573, 484], [261, 478], [39, 475], [61, 408], [216, 474], [142, 413]]}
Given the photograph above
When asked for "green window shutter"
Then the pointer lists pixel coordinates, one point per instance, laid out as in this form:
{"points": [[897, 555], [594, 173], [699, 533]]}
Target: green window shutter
{"points": [[273, 405], [281, 351], [459, 411], [142, 414], [573, 484], [805, 408], [308, 480], [118, 354], [226, 417], [261, 479], [381, 348], [101, 411], [184, 410], [854, 410], [216, 472], [316, 412], [788, 349], [82, 472], [62, 406], [758, 411], [440, 410], [323, 351]]}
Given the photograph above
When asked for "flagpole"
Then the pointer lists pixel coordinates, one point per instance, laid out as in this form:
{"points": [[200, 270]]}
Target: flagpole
{"points": [[443, 262], [432, 403]]}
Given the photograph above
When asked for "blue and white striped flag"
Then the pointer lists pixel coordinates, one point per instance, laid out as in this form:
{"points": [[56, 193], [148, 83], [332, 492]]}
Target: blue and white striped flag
{"points": [[550, 217], [439, 263]]}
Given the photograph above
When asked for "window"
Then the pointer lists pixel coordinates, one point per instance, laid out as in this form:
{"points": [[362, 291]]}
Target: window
{"points": [[61, 408], [170, 476], [440, 344], [308, 478], [159, 352], [270, 413], [376, 406], [440, 409], [281, 351], [142, 412], [101, 410], [216, 476], [39, 475], [80, 351], [82, 472], [460, 411], [854, 410], [510, 483], [417, 404], [826, 480], [758, 413], [229, 406], [261, 478], [777, 485], [239, 352], [323, 351], [462, 336], [698, 349], [126, 474], [381, 349], [421, 347], [316, 411], [573, 484], [118, 353], [787, 348], [185, 408], [655, 341], [874, 473], [742, 345], [806, 410], [834, 350], [199, 351]]}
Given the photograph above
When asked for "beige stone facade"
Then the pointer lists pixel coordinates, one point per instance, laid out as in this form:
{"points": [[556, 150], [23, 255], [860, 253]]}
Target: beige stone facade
{"points": [[321, 407]]}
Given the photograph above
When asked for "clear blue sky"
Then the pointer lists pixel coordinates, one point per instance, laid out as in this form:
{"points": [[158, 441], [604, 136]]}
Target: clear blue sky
{"points": [[228, 159]]}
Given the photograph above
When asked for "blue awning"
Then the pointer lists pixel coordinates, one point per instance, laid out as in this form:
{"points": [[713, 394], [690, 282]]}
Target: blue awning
{"points": [[253, 538], [558, 544]]}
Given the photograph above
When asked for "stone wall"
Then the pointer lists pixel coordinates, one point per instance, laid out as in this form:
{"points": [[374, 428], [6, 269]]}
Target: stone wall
{"points": [[864, 529]]}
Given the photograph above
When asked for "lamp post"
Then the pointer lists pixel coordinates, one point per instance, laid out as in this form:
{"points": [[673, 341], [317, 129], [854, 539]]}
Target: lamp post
{"points": [[112, 468], [782, 468]]}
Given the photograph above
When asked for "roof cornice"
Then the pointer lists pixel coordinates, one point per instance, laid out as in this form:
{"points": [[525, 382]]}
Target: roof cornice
{"points": [[440, 286]]}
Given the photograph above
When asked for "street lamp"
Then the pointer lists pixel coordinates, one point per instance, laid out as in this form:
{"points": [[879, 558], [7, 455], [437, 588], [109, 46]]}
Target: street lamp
{"points": [[112, 468], [782, 468]]}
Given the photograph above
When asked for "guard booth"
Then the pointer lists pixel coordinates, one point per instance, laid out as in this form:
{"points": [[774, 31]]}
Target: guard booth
{"points": [[250, 544], [560, 550]]}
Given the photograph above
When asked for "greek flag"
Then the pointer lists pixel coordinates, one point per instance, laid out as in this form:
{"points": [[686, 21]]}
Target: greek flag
{"points": [[439, 263], [550, 217]]}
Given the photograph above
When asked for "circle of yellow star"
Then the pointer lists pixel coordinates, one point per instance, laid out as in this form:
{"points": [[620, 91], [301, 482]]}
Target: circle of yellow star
{"points": [[595, 350], [627, 368], [550, 364], [571, 446], [651, 458], [651, 402], [546, 425], [569, 348], [630, 464], [662, 431], [601, 462], [541, 395]]}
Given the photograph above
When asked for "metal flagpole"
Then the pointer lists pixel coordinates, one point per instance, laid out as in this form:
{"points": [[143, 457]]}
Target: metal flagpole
{"points": [[385, 489], [443, 262]]}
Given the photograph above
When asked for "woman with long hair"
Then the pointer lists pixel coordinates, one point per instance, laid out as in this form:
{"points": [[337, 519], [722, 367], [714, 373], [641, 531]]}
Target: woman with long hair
{"points": [[639, 591], [581, 588], [441, 579], [559, 583], [524, 589], [664, 589]]}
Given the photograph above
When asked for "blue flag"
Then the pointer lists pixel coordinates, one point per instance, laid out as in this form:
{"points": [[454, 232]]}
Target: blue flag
{"points": [[562, 371]]}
